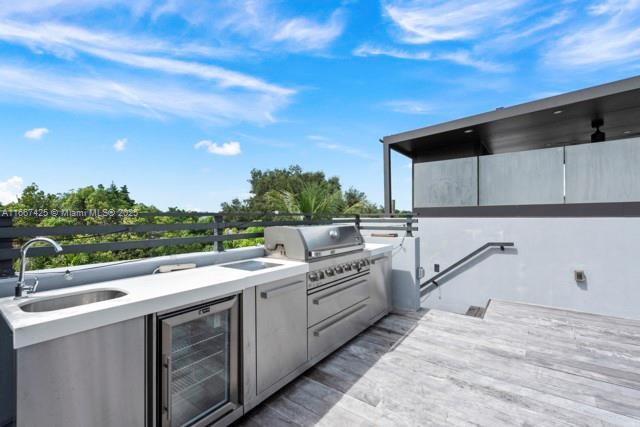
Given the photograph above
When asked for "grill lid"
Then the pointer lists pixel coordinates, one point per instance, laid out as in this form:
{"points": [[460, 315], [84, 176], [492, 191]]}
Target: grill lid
{"points": [[312, 242]]}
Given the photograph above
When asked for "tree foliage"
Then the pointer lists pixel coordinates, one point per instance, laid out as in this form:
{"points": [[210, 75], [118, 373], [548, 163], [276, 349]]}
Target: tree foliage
{"points": [[284, 190], [294, 190]]}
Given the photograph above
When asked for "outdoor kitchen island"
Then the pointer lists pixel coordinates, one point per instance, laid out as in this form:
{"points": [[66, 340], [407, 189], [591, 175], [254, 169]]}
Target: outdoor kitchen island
{"points": [[191, 347]]}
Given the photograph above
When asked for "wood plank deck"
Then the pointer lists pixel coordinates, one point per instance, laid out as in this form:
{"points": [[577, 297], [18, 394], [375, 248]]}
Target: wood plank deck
{"points": [[519, 365]]}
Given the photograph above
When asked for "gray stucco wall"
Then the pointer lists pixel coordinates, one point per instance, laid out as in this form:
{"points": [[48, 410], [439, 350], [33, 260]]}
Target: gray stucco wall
{"points": [[540, 269], [604, 172], [527, 177], [446, 183]]}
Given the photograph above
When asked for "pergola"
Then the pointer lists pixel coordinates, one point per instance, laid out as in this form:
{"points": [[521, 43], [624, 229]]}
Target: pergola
{"points": [[555, 121]]}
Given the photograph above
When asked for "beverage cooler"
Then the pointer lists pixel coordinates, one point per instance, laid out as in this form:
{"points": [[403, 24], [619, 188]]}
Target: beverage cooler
{"points": [[197, 364]]}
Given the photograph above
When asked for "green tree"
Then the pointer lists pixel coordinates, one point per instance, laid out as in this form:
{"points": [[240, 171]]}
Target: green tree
{"points": [[293, 189], [308, 197]]}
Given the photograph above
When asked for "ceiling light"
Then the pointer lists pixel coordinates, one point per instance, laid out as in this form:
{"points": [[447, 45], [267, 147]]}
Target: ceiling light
{"points": [[558, 112], [468, 131]]}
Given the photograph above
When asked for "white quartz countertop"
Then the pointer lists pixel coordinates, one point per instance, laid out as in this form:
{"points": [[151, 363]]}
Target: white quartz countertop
{"points": [[145, 295], [378, 248]]}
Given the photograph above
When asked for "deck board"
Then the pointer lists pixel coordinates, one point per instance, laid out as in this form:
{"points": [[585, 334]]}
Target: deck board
{"points": [[519, 365]]}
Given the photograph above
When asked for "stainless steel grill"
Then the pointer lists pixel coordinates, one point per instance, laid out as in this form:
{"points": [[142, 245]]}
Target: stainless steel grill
{"points": [[335, 253]]}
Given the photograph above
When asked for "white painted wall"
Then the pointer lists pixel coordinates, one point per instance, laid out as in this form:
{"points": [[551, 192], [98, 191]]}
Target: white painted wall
{"points": [[540, 268], [405, 260]]}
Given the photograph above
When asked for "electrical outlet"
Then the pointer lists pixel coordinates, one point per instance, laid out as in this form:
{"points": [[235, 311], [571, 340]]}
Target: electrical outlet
{"points": [[436, 268], [580, 276]]}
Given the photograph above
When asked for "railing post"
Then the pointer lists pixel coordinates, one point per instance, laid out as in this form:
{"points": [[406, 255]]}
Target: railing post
{"points": [[357, 221], [6, 265], [219, 231], [409, 225]]}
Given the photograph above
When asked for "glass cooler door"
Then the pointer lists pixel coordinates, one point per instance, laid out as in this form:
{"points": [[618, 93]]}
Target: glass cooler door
{"points": [[199, 357]]}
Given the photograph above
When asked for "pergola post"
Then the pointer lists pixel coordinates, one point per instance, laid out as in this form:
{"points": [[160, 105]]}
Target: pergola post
{"points": [[386, 155]]}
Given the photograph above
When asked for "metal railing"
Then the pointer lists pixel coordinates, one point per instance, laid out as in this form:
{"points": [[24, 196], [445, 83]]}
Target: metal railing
{"points": [[215, 230], [432, 283]]}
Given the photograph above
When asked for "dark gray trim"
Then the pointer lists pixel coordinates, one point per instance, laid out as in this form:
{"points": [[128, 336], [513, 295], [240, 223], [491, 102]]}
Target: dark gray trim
{"points": [[581, 95], [12, 232], [129, 244], [570, 210]]}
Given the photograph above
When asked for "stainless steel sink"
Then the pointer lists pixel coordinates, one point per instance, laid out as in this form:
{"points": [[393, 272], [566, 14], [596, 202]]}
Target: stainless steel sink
{"points": [[74, 300], [251, 265]]}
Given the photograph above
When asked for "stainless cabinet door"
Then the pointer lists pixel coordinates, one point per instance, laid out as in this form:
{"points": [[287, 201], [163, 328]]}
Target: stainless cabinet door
{"points": [[281, 329], [380, 289]]}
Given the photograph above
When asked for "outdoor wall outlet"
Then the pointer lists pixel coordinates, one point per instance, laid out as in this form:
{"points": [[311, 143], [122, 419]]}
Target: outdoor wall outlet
{"points": [[580, 276], [436, 268]]}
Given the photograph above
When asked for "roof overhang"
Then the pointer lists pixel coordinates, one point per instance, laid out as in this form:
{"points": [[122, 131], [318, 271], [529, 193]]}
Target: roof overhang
{"points": [[558, 120]]}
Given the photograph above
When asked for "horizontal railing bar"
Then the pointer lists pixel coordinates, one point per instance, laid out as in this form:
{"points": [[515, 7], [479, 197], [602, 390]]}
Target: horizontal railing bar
{"points": [[390, 228], [389, 220], [379, 220], [14, 232], [123, 214], [129, 244]]}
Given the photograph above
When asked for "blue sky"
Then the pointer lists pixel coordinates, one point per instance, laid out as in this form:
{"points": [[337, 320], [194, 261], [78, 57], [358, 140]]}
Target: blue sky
{"points": [[181, 99]]}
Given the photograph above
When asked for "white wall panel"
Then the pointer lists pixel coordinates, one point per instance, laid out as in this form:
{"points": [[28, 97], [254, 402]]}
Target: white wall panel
{"points": [[603, 172], [446, 183], [522, 178]]}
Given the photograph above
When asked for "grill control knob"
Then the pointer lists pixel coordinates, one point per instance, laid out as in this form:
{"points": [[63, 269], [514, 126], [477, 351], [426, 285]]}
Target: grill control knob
{"points": [[313, 276], [328, 272], [320, 275], [339, 269], [366, 261], [347, 267], [354, 265]]}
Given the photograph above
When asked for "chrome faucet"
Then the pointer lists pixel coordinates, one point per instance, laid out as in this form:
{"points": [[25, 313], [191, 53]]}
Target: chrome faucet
{"points": [[21, 286]]}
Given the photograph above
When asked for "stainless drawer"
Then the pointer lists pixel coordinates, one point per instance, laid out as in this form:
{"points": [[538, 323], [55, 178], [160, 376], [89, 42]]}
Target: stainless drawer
{"points": [[326, 303], [337, 330]]}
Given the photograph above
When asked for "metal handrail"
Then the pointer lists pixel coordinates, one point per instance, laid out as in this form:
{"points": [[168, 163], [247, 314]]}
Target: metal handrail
{"points": [[425, 288]]}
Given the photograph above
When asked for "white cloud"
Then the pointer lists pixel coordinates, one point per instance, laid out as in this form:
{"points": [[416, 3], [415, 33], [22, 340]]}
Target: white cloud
{"points": [[423, 22], [268, 29], [344, 149], [302, 34], [613, 6], [10, 189], [409, 106], [463, 57], [66, 41], [61, 8], [369, 50], [610, 36], [120, 144], [133, 96], [36, 133], [460, 57], [231, 148], [317, 138]]}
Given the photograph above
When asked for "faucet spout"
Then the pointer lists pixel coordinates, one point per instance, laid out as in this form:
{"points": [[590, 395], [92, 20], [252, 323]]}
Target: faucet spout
{"points": [[21, 286]]}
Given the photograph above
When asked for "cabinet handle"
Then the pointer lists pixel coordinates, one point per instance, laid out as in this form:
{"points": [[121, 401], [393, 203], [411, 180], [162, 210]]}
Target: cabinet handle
{"points": [[167, 396], [279, 290], [319, 332], [317, 301]]}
